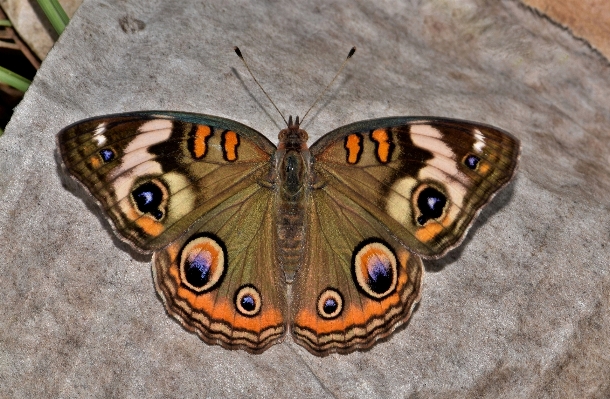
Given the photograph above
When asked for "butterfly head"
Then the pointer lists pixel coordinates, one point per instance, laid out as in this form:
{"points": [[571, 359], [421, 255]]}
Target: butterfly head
{"points": [[293, 137]]}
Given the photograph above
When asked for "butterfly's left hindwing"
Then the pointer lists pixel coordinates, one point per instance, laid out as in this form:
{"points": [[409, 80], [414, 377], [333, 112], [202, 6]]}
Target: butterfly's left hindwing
{"points": [[425, 179], [222, 281], [357, 282]]}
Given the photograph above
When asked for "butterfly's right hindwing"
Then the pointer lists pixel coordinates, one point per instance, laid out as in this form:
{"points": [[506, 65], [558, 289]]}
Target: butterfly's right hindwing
{"points": [[221, 280]]}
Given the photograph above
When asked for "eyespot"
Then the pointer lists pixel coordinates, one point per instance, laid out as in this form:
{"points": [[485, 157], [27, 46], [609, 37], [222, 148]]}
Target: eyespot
{"points": [[374, 268], [248, 300], [430, 203], [472, 161], [107, 154], [330, 304], [203, 261], [149, 197]]}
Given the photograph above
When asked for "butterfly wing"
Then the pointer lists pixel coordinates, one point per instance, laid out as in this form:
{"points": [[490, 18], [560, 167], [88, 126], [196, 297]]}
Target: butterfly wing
{"points": [[425, 179], [384, 192], [155, 173], [222, 281], [194, 189], [357, 282]]}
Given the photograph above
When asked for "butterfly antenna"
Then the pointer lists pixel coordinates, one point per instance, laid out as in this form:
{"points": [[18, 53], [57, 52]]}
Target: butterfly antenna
{"points": [[238, 52], [351, 52]]}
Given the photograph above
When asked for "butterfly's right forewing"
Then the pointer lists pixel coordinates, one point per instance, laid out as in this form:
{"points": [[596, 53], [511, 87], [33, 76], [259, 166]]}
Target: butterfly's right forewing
{"points": [[425, 179]]}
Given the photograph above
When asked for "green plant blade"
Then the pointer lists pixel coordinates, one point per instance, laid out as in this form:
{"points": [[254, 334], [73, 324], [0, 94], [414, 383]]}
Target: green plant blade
{"points": [[60, 11], [55, 13], [14, 80]]}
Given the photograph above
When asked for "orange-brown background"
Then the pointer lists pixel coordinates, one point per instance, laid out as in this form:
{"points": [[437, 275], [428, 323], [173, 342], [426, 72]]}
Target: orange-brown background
{"points": [[586, 19]]}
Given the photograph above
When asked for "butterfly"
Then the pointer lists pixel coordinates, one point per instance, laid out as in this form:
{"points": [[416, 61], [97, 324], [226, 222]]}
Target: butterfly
{"points": [[250, 240]]}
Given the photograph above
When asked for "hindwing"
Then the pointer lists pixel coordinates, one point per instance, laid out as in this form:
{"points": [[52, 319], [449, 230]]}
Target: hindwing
{"points": [[357, 282]]}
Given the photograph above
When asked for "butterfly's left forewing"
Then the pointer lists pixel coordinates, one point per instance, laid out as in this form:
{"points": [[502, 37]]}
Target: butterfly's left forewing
{"points": [[155, 173]]}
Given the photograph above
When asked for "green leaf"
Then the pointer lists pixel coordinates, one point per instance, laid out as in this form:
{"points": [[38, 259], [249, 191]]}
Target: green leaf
{"points": [[14, 80], [55, 13]]}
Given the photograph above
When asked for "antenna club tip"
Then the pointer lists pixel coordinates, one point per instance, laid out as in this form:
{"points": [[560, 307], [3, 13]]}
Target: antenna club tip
{"points": [[351, 52], [238, 52]]}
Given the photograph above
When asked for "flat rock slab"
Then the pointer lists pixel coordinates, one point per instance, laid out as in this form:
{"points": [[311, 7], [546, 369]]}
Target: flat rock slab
{"points": [[520, 309]]}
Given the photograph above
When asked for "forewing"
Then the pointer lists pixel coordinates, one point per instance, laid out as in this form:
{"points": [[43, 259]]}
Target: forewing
{"points": [[425, 179], [155, 173]]}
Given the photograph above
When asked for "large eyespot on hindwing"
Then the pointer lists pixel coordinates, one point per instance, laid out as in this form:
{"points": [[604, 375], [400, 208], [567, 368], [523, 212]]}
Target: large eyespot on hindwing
{"points": [[375, 268], [150, 198], [203, 262], [329, 304], [429, 203], [248, 301]]}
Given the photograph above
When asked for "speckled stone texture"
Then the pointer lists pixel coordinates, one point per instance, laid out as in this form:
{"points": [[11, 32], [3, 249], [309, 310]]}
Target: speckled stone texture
{"points": [[521, 309]]}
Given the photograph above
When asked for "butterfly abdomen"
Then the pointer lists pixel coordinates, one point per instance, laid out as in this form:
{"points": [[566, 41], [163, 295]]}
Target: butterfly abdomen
{"points": [[291, 205], [291, 237]]}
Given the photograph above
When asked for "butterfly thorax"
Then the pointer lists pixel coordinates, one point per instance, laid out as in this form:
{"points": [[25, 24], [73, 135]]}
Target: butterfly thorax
{"points": [[293, 174]]}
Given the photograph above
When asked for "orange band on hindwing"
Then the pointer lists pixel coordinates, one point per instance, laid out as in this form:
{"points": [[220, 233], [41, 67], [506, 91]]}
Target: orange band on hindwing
{"points": [[383, 145], [359, 313], [198, 142], [217, 309], [229, 143], [353, 145]]}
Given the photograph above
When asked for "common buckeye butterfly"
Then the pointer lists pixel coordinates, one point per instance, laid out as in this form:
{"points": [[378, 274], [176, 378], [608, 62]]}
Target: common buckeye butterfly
{"points": [[250, 240]]}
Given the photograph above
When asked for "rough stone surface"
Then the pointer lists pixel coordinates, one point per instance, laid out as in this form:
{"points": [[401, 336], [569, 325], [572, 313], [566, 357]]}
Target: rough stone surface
{"points": [[521, 309]]}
